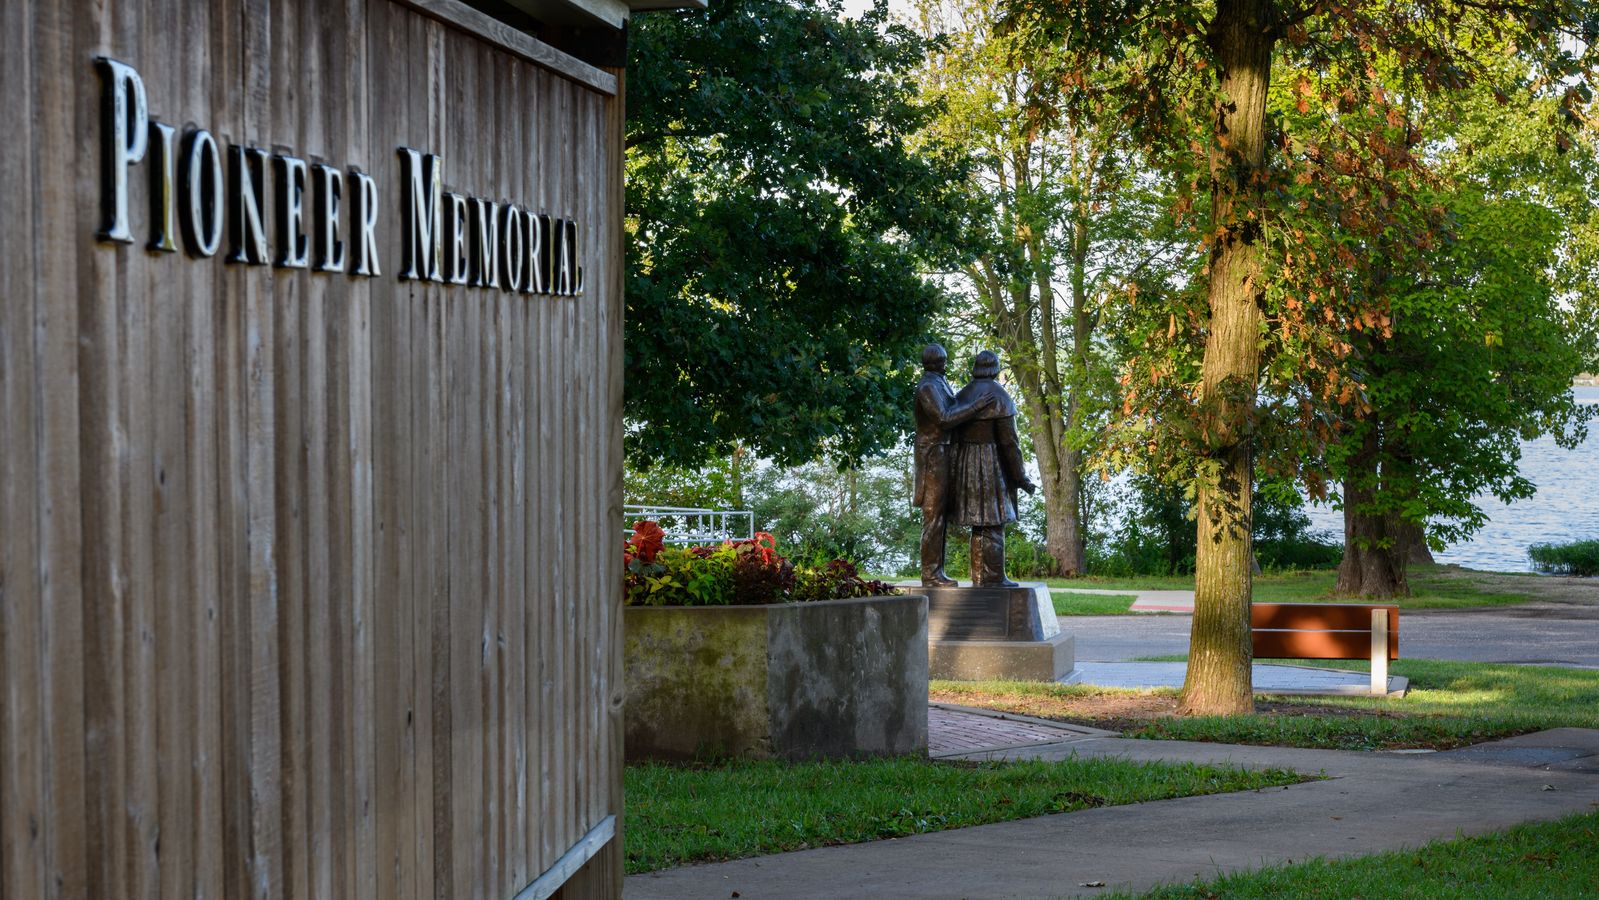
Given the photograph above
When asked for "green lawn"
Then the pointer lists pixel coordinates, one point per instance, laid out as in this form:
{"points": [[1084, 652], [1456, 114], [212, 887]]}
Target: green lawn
{"points": [[1546, 859], [1433, 587], [1450, 704], [1071, 604], [683, 814]]}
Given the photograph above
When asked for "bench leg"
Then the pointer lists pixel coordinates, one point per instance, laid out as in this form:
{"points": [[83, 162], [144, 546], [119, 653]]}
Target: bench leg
{"points": [[1379, 652]]}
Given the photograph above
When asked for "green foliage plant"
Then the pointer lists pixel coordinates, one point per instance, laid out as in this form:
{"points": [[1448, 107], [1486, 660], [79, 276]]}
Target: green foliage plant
{"points": [[778, 222], [1574, 558], [836, 580]]}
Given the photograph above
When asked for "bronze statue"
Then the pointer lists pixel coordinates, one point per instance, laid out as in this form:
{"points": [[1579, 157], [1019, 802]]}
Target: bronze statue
{"points": [[987, 470], [937, 412]]}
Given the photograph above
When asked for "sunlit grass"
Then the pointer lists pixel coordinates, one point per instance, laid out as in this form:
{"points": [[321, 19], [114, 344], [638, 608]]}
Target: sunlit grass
{"points": [[726, 810], [1534, 861], [1449, 704], [1432, 587], [1073, 604]]}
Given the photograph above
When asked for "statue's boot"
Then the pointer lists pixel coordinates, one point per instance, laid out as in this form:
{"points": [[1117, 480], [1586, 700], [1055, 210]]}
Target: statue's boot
{"points": [[988, 557], [937, 578]]}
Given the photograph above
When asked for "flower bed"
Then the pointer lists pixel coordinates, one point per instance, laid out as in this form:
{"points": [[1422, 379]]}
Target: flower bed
{"points": [[738, 573], [722, 660]]}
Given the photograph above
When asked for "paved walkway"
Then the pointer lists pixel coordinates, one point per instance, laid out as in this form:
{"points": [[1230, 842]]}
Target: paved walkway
{"points": [[957, 730], [1267, 679], [1370, 802], [1535, 634]]}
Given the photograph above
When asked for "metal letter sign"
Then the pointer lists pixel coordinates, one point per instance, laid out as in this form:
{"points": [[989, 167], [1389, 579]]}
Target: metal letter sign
{"points": [[163, 200], [366, 212], [200, 182], [246, 198], [294, 251], [329, 249], [124, 124], [449, 237], [423, 185]]}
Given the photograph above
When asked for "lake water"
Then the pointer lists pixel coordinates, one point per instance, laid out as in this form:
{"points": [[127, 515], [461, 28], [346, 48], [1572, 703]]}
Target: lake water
{"points": [[1566, 507]]}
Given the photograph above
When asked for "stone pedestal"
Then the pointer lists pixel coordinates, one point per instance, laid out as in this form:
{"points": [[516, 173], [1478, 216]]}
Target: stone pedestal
{"points": [[995, 633], [831, 678]]}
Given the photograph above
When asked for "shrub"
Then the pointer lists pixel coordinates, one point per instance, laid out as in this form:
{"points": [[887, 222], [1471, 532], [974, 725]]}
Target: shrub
{"points": [[838, 580], [1575, 558], [760, 575], [743, 572]]}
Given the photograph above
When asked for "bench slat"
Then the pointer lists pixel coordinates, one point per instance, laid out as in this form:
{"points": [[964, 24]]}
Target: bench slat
{"points": [[1319, 630]]}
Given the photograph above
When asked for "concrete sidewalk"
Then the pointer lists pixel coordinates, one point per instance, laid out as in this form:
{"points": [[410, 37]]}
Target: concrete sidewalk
{"points": [[1143, 601], [1267, 679], [1370, 803]]}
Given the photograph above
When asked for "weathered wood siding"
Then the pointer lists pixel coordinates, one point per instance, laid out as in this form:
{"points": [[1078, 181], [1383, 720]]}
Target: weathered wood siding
{"points": [[307, 581]]}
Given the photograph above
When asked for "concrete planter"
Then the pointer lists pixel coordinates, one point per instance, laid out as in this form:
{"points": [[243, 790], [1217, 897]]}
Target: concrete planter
{"points": [[834, 678]]}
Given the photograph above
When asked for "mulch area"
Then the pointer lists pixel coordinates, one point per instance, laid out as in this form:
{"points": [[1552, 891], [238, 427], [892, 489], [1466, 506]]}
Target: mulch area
{"points": [[1127, 712]]}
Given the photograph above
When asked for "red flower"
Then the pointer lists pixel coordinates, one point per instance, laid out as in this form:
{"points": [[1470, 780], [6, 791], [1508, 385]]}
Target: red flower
{"points": [[647, 540]]}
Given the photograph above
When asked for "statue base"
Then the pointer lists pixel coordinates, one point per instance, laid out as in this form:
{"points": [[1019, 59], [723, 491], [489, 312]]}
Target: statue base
{"points": [[988, 633]]}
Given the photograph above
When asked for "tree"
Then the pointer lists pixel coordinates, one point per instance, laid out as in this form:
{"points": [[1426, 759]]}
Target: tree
{"points": [[1272, 325], [1062, 215], [1480, 354], [1476, 362], [778, 221]]}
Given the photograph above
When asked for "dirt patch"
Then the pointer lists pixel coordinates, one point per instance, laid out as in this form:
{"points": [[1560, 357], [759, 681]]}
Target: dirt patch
{"points": [[1553, 589], [1128, 712], [1116, 712]]}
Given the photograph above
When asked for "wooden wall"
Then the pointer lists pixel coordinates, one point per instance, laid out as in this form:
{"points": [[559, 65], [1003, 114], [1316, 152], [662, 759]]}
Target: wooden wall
{"points": [[307, 582]]}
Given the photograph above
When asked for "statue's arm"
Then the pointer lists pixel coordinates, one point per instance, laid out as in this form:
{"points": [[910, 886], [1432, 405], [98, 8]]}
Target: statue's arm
{"points": [[1010, 455], [957, 413]]}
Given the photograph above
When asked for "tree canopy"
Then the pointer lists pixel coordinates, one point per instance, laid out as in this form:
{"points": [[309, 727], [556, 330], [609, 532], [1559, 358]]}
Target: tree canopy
{"points": [[1479, 353], [779, 221], [1064, 212], [1294, 119]]}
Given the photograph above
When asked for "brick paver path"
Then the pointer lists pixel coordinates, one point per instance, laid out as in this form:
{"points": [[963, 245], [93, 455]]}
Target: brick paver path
{"points": [[952, 731]]}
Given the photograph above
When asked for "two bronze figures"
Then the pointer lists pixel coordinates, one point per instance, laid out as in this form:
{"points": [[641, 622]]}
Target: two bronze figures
{"points": [[968, 466]]}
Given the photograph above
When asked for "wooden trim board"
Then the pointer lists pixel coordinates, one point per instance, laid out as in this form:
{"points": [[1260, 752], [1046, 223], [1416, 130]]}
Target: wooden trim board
{"points": [[464, 18], [584, 850]]}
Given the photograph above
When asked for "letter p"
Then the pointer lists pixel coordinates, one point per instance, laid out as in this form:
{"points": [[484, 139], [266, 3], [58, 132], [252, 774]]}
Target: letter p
{"points": [[125, 135]]}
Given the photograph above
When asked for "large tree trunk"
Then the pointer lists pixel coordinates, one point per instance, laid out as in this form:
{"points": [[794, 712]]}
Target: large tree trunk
{"points": [[1059, 468], [1372, 567], [1377, 545], [1063, 526], [1415, 538], [1218, 681]]}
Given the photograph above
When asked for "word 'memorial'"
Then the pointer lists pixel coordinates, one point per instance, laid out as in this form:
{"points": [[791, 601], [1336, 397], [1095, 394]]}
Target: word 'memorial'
{"points": [[449, 238]]}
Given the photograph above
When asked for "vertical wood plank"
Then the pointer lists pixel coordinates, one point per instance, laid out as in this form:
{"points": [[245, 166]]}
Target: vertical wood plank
{"points": [[174, 640], [104, 569], [23, 867], [266, 757], [361, 755], [58, 529], [394, 729], [285, 301], [434, 375]]}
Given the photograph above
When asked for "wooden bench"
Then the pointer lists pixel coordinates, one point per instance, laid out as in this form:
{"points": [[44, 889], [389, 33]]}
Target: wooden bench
{"points": [[1328, 631]]}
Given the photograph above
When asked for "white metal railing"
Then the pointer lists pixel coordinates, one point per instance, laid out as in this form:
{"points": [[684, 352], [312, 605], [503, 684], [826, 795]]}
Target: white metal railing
{"points": [[692, 525]]}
